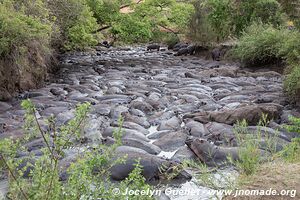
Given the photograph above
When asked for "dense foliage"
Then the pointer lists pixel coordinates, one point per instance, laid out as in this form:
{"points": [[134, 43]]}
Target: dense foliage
{"points": [[17, 29], [229, 18]]}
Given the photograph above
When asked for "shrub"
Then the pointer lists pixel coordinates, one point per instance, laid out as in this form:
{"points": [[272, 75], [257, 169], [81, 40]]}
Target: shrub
{"points": [[75, 22], [219, 16], [249, 153], [131, 29], [265, 11], [261, 43], [88, 177], [292, 83], [18, 30], [291, 151], [200, 30]]}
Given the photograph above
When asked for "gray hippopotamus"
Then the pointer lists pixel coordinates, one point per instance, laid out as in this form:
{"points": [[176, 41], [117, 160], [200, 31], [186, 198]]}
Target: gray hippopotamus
{"points": [[153, 47], [216, 54], [153, 167], [179, 46]]}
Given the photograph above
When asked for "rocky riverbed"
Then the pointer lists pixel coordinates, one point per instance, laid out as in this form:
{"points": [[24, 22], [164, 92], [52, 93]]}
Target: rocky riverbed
{"points": [[174, 108]]}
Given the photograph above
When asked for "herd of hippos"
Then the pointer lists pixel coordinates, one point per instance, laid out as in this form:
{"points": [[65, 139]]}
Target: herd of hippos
{"points": [[180, 49]]}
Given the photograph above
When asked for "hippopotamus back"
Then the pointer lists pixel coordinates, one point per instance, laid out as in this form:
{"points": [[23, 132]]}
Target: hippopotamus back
{"points": [[216, 54], [153, 47]]}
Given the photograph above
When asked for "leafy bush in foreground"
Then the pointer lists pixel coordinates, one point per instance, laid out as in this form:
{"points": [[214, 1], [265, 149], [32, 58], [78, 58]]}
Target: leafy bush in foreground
{"points": [[291, 152], [87, 176]]}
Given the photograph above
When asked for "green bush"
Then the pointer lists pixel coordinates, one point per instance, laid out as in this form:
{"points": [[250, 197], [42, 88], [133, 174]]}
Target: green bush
{"points": [[265, 11], [291, 151], [261, 43], [292, 83], [226, 18], [18, 30], [88, 176], [131, 29], [220, 16], [75, 22]]}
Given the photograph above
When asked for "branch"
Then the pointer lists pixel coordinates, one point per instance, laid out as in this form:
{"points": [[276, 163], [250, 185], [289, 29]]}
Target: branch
{"points": [[169, 29], [42, 133], [14, 177], [102, 28]]}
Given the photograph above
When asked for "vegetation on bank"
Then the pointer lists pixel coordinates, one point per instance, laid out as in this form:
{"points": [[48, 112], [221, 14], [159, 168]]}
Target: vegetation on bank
{"points": [[275, 169], [259, 26]]}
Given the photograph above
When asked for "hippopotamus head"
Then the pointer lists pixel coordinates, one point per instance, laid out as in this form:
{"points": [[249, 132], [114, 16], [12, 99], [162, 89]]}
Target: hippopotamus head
{"points": [[202, 148]]}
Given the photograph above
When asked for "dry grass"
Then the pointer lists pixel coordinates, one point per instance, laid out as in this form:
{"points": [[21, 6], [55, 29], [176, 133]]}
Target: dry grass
{"points": [[277, 175]]}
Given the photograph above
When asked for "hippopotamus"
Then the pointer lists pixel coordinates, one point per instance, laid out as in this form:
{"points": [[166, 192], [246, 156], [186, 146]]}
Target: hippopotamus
{"points": [[153, 47], [211, 154], [105, 44], [182, 51], [179, 46], [191, 49], [153, 167], [216, 54]]}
